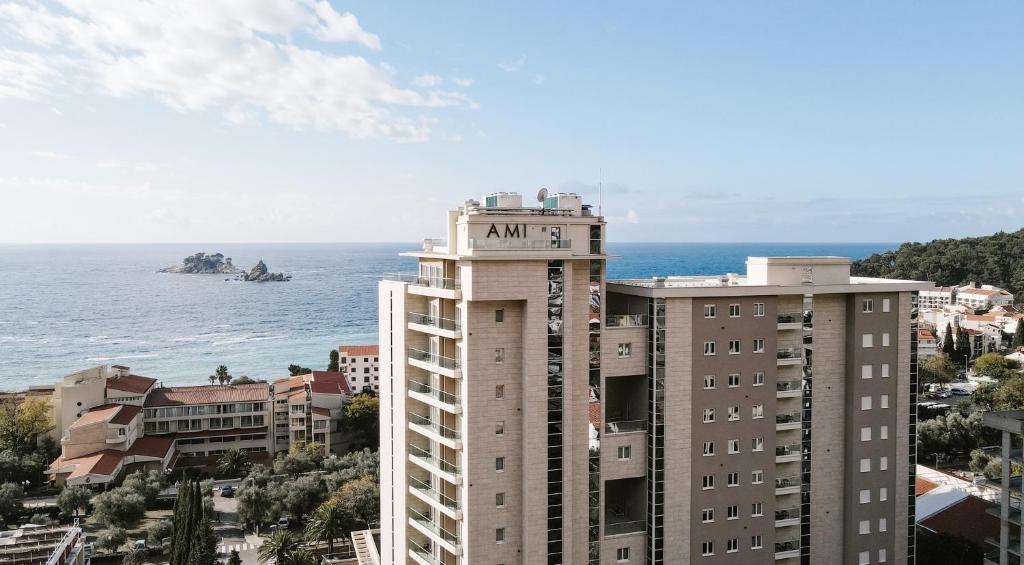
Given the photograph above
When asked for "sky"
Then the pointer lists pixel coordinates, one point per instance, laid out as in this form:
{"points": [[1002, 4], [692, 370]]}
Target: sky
{"points": [[308, 120]]}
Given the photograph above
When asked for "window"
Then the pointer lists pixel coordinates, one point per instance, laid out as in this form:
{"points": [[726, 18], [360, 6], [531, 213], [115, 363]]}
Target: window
{"points": [[881, 556], [734, 310], [757, 477], [709, 415], [734, 446], [707, 515], [882, 525], [869, 305], [499, 500], [709, 382], [883, 495], [758, 378], [731, 546], [757, 411], [707, 548], [885, 339], [884, 401], [883, 463], [865, 465], [499, 464], [865, 403], [499, 392], [757, 444], [709, 348], [499, 315], [708, 482], [499, 535], [734, 347], [499, 355], [864, 558], [885, 305], [759, 345], [883, 432], [709, 310], [756, 542], [624, 452], [734, 380], [868, 340], [734, 413], [865, 371], [757, 509], [622, 554], [625, 349], [709, 448], [499, 428], [865, 433], [732, 512], [865, 496], [732, 480], [885, 370], [759, 308], [865, 527]]}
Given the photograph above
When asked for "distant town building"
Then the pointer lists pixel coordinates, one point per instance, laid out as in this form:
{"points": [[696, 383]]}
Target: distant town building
{"points": [[927, 345], [308, 408], [361, 364], [978, 297]]}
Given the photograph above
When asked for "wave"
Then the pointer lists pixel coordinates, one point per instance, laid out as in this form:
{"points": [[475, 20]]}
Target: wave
{"points": [[118, 357], [247, 339]]}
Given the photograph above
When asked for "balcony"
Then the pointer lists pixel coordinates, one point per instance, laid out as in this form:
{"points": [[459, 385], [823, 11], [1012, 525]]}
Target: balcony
{"points": [[1014, 517], [435, 363], [789, 356], [787, 485], [433, 397], [789, 388], [625, 426], [422, 490], [437, 287], [626, 321], [425, 460], [520, 244], [615, 527], [117, 438], [426, 526], [787, 517], [434, 325], [784, 549], [420, 553], [791, 320], [787, 453], [430, 429], [787, 421]]}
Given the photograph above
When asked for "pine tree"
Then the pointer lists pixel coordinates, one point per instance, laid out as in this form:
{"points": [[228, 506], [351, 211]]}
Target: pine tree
{"points": [[947, 343], [1018, 336], [333, 364]]}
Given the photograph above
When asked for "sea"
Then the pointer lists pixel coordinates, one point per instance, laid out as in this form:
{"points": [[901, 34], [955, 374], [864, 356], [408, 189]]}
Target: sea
{"points": [[69, 307]]}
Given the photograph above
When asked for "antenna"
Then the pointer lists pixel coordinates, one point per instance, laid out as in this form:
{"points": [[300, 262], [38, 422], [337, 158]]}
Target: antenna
{"points": [[541, 195], [600, 191]]}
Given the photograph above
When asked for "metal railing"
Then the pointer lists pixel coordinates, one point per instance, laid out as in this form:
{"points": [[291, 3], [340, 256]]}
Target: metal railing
{"points": [[415, 279], [791, 317], [626, 321], [429, 524], [434, 359], [427, 457], [783, 386], [631, 527], [426, 422], [788, 353], [70, 538], [424, 552], [422, 388], [514, 243], [786, 482], [787, 513], [433, 493], [787, 545], [434, 321], [791, 449], [625, 426], [789, 418]]}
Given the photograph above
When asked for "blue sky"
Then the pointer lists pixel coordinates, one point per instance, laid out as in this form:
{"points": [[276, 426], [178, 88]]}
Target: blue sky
{"points": [[298, 120]]}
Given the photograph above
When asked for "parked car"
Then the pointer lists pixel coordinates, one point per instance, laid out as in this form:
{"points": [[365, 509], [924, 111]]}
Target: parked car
{"points": [[943, 394], [284, 522], [960, 392], [140, 543], [227, 491]]}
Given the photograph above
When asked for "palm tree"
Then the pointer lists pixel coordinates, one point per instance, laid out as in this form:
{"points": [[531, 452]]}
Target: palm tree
{"points": [[327, 523], [234, 463], [279, 547]]}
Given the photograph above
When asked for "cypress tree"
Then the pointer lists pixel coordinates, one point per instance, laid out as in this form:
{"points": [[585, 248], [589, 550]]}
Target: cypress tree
{"points": [[182, 510], [963, 345], [1018, 336], [203, 550], [947, 343]]}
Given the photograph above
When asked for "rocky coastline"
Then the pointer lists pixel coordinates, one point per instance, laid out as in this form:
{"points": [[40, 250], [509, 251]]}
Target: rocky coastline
{"points": [[217, 264]]}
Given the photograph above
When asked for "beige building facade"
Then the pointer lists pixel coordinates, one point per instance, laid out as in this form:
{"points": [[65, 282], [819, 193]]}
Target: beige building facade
{"points": [[532, 412]]}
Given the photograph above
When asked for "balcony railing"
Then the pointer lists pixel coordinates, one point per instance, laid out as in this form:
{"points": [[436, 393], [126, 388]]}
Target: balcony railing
{"points": [[784, 386], [446, 397], [514, 243], [433, 494], [787, 545], [426, 457], [618, 528], [423, 551], [784, 450], [788, 353], [789, 418], [438, 429], [625, 426], [429, 524], [434, 359], [787, 482], [787, 514], [791, 317], [434, 321], [417, 280], [626, 321]]}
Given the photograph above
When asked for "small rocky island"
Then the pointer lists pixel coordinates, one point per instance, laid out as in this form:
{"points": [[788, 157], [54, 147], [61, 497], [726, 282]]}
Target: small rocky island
{"points": [[217, 264]]}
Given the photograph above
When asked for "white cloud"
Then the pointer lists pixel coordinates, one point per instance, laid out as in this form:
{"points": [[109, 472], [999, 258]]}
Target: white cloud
{"points": [[50, 155], [513, 66], [143, 167], [427, 80], [463, 82], [236, 58]]}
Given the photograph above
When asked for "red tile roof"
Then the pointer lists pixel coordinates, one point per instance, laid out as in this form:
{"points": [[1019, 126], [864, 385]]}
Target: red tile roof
{"points": [[103, 463], [359, 350], [595, 414], [208, 394], [321, 412], [152, 446], [131, 383], [100, 414], [922, 486], [328, 382], [968, 518], [126, 414]]}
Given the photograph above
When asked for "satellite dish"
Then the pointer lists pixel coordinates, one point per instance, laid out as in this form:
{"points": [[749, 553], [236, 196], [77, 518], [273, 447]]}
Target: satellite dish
{"points": [[542, 194]]}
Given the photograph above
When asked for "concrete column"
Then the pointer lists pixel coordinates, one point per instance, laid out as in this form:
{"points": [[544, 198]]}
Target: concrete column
{"points": [[1004, 510]]}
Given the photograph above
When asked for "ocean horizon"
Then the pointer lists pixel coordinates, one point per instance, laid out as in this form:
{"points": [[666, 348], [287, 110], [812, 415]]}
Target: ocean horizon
{"points": [[66, 307]]}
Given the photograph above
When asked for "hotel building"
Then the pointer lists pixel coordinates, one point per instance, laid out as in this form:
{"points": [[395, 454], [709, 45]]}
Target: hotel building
{"points": [[361, 363], [533, 412]]}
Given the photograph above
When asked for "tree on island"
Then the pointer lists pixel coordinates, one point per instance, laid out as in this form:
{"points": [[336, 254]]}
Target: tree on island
{"points": [[221, 375], [948, 347], [333, 365]]}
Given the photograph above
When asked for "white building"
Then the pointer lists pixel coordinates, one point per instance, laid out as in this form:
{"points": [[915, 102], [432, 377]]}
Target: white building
{"points": [[361, 365]]}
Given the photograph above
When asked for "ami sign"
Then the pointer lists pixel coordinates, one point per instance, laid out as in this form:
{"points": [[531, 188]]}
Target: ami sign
{"points": [[511, 230]]}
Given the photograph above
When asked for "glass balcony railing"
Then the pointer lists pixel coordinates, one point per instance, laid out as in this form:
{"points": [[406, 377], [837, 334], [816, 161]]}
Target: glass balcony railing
{"points": [[434, 359], [784, 386], [791, 317], [784, 450], [422, 550], [446, 397], [788, 353], [613, 528], [626, 321], [787, 513], [625, 426], [787, 482], [516, 243], [431, 282], [425, 488], [425, 422], [428, 523], [789, 418], [434, 321], [787, 545], [428, 458]]}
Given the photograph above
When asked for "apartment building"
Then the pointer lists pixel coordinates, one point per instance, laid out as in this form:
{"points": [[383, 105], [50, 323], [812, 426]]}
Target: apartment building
{"points": [[975, 296], [532, 412], [361, 363], [309, 408]]}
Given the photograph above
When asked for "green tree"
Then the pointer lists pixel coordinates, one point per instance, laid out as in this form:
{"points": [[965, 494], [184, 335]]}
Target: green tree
{"points": [[146, 485], [984, 396], [333, 365], [948, 346], [294, 463], [194, 542], [242, 380], [111, 539], [156, 532], [118, 507], [326, 524], [953, 434], [22, 423], [10, 502], [279, 547], [937, 370], [296, 370], [233, 463], [992, 365], [234, 558], [254, 505], [360, 499], [350, 466], [221, 375], [73, 499], [1018, 335], [361, 416], [963, 346], [303, 494], [1009, 395], [134, 555]]}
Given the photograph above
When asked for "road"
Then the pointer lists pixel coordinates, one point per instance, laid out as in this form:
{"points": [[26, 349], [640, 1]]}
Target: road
{"points": [[231, 534]]}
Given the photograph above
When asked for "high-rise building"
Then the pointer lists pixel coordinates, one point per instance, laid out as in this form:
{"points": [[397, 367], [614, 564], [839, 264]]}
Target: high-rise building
{"points": [[532, 412]]}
